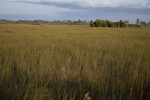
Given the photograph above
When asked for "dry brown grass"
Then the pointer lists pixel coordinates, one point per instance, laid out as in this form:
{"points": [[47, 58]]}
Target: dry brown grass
{"points": [[59, 62]]}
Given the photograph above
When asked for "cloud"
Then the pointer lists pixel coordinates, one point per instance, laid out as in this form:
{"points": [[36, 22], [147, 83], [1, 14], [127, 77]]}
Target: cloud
{"points": [[84, 9], [63, 4], [88, 3], [93, 6]]}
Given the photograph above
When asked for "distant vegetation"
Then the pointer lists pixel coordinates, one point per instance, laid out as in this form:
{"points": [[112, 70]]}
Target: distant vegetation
{"points": [[96, 23], [40, 22], [121, 23], [60, 62], [107, 23]]}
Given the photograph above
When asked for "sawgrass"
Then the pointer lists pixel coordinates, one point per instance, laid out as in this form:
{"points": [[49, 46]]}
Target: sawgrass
{"points": [[61, 62]]}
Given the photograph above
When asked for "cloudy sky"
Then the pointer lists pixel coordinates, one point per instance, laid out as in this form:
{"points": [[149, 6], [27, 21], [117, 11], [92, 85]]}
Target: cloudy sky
{"points": [[113, 10]]}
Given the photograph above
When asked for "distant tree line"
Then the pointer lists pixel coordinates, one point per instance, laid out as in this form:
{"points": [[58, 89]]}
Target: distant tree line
{"points": [[121, 23], [40, 22], [107, 23], [96, 23]]}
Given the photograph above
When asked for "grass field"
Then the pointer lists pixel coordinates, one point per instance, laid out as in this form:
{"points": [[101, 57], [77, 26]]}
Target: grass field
{"points": [[58, 62]]}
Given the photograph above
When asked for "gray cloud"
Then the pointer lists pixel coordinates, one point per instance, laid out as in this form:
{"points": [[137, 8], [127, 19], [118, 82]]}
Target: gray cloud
{"points": [[71, 5], [87, 4], [87, 12], [77, 6]]}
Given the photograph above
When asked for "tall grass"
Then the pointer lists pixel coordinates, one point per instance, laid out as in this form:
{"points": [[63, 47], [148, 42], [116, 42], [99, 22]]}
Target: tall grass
{"points": [[61, 62]]}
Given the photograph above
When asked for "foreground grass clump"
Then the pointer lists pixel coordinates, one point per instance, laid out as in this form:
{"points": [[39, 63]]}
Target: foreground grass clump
{"points": [[65, 62]]}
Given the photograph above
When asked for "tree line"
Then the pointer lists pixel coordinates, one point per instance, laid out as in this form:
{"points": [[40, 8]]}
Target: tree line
{"points": [[96, 23], [121, 23], [107, 23], [40, 22]]}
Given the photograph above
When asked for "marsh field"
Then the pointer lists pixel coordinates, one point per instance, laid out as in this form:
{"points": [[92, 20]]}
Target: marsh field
{"points": [[62, 62]]}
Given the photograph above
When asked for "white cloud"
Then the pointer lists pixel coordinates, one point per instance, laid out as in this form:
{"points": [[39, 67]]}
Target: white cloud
{"points": [[98, 3], [75, 9], [108, 3]]}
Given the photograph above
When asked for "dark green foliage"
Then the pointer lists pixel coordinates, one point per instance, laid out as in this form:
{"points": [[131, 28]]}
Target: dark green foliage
{"points": [[110, 24], [142, 23], [107, 23], [121, 23], [91, 23]]}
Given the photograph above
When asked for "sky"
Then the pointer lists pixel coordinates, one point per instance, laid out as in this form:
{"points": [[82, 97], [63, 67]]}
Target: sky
{"points": [[113, 10]]}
